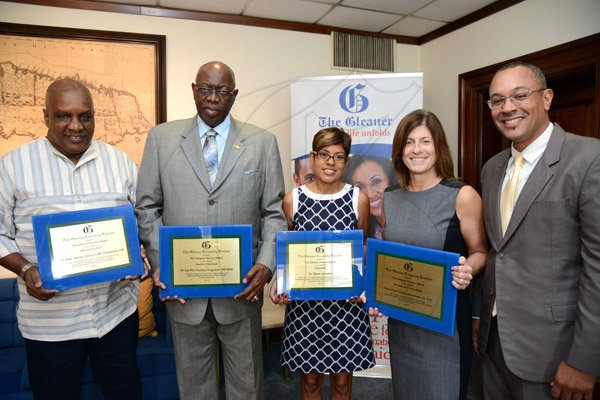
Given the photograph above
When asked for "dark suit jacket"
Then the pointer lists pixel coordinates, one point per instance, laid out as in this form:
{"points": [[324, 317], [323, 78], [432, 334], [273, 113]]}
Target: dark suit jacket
{"points": [[545, 271], [174, 189]]}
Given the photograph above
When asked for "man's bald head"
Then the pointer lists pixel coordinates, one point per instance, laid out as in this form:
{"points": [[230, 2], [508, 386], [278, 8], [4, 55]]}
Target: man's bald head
{"points": [[69, 116], [64, 85], [214, 92]]}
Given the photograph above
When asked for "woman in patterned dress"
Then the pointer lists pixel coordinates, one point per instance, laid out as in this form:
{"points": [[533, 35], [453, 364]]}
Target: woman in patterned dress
{"points": [[323, 336], [444, 214]]}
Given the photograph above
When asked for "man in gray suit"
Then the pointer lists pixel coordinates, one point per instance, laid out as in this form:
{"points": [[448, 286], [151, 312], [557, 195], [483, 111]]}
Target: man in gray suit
{"points": [[540, 318], [178, 187]]}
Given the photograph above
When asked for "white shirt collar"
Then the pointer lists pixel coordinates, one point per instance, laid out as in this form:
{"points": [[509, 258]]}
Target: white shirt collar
{"points": [[535, 149], [222, 129]]}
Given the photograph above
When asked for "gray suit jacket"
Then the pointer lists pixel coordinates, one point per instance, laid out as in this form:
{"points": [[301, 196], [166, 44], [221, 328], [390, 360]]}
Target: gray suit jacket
{"points": [[174, 189], [545, 271]]}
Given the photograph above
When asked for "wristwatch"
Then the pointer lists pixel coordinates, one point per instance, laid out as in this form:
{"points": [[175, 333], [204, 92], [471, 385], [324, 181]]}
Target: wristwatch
{"points": [[24, 269]]}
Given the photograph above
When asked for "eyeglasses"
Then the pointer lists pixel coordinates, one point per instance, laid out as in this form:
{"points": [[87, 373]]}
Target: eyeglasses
{"points": [[206, 91], [517, 98], [325, 156]]}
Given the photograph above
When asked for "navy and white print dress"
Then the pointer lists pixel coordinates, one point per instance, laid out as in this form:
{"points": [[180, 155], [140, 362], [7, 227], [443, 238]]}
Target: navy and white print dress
{"points": [[322, 335]]}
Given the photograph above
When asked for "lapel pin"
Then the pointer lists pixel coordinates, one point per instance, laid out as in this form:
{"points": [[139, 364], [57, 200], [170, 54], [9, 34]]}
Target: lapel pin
{"points": [[236, 146]]}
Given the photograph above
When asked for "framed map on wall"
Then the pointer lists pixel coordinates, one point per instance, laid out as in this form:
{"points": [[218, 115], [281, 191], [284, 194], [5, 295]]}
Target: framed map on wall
{"points": [[125, 72]]}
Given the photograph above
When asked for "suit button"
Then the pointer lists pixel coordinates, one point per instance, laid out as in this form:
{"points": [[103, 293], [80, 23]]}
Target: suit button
{"points": [[211, 202], [501, 256]]}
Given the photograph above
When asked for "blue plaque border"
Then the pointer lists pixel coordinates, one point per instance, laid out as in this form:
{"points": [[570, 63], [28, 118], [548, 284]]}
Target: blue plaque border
{"points": [[446, 323], [44, 248], [169, 233], [284, 238]]}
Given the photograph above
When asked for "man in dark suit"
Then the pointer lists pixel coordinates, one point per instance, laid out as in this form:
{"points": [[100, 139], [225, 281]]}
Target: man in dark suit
{"points": [[243, 185], [540, 317]]}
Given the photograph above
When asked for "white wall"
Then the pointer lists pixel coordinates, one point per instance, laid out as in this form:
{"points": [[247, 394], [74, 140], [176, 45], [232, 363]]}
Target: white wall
{"points": [[521, 29]]}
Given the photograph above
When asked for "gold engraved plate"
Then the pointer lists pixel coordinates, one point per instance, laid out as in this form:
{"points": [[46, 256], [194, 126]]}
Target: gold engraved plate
{"points": [[206, 261], [410, 284], [319, 265]]}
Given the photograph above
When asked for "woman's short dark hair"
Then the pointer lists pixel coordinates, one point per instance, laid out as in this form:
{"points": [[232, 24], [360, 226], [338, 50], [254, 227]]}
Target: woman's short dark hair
{"points": [[444, 166], [332, 136]]}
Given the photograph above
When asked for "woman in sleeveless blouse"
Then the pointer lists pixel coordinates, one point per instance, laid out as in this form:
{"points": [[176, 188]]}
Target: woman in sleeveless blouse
{"points": [[444, 214], [326, 336]]}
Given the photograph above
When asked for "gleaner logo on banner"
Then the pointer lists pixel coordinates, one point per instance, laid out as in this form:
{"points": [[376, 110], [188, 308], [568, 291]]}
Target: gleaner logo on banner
{"points": [[352, 101]]}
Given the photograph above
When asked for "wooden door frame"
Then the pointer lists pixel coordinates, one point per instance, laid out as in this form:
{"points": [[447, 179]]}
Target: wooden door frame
{"points": [[473, 94]]}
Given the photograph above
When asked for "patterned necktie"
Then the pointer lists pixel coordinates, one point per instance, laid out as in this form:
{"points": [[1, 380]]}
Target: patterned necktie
{"points": [[211, 154], [508, 196]]}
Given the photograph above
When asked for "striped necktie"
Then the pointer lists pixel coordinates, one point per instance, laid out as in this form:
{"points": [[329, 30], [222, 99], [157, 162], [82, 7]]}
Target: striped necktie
{"points": [[211, 154]]}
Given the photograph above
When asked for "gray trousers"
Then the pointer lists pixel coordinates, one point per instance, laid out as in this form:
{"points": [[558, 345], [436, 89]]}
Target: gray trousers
{"points": [[499, 383], [196, 352]]}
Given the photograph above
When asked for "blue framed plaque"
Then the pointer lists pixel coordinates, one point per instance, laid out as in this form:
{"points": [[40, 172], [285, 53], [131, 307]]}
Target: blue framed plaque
{"points": [[320, 265], [204, 261], [80, 248], [412, 284]]}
